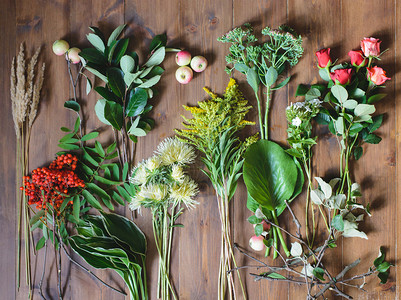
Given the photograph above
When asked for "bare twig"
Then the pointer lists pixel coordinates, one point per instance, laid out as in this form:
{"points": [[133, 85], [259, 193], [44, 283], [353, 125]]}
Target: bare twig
{"points": [[43, 274]]}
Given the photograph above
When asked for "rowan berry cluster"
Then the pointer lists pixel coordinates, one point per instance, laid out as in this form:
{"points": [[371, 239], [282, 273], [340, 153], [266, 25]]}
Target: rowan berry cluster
{"points": [[52, 184]]}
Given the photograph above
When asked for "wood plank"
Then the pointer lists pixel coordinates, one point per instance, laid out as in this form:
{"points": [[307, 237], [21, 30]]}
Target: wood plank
{"points": [[375, 171], [200, 240], [260, 14], [7, 162], [319, 24], [147, 19]]}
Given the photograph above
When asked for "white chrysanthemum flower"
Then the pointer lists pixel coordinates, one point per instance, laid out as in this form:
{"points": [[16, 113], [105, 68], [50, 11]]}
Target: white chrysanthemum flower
{"points": [[153, 163], [155, 192], [139, 175], [174, 151], [177, 173], [184, 192], [136, 202], [296, 121]]}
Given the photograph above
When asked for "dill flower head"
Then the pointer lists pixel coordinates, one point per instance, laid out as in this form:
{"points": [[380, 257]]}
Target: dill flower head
{"points": [[139, 175], [184, 192], [173, 151], [177, 173]]}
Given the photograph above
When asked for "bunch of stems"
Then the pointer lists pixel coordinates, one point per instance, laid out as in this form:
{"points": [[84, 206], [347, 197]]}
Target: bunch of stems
{"points": [[26, 84], [163, 225]]}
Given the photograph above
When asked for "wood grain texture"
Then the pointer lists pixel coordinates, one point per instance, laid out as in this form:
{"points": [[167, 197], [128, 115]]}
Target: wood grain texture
{"points": [[195, 25]]}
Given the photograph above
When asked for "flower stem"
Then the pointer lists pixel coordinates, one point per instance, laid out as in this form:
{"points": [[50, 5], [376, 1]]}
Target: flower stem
{"points": [[280, 235]]}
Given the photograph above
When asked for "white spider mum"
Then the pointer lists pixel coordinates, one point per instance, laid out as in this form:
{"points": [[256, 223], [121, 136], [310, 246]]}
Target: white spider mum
{"points": [[174, 151], [184, 192], [139, 175], [177, 173]]}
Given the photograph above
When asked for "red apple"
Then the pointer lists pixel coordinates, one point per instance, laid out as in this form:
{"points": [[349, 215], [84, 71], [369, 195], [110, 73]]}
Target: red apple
{"points": [[60, 47], [73, 55], [198, 63], [183, 58], [256, 243], [184, 74]]}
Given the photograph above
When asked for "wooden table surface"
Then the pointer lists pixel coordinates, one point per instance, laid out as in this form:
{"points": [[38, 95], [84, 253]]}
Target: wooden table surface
{"points": [[195, 25]]}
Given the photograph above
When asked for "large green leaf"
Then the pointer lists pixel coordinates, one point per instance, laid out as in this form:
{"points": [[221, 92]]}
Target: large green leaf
{"points": [[125, 231], [115, 78], [270, 174], [93, 55], [137, 101], [113, 113]]}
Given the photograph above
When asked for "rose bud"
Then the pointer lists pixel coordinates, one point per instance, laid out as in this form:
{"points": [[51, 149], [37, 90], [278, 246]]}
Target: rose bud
{"points": [[370, 47], [323, 58], [341, 76], [377, 75], [357, 59]]}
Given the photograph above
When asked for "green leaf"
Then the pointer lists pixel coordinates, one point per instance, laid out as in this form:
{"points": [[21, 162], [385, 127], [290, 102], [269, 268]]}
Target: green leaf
{"points": [[68, 146], [377, 122], [116, 82], [372, 139], [40, 243], [113, 113], [319, 273], [383, 277], [270, 174], [127, 64], [76, 207], [73, 105], [65, 129], [91, 200], [125, 231], [106, 94], [258, 229], [355, 128], [96, 41], [97, 190], [243, 68], [254, 220], [271, 76], [137, 131], [158, 41], [150, 82], [350, 104], [88, 86], [339, 125], [358, 152], [137, 101], [124, 193], [253, 79], [358, 93], [99, 109], [90, 136], [364, 109], [340, 93], [383, 267], [125, 171], [119, 51], [97, 32], [275, 275], [116, 197], [93, 55], [156, 58], [37, 217], [323, 74], [114, 35], [380, 259], [376, 98], [97, 73], [313, 93], [106, 181], [282, 83], [338, 223], [111, 148], [301, 90]]}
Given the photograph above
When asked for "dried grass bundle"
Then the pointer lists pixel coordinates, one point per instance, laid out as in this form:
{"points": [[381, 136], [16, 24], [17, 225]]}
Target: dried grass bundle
{"points": [[26, 84]]}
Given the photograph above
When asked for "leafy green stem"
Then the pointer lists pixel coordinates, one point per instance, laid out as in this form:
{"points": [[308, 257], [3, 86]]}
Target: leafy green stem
{"points": [[283, 244]]}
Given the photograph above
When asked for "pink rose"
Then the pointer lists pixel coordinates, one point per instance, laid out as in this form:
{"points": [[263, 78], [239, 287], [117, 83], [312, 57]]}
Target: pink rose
{"points": [[370, 47], [323, 58], [357, 59], [377, 75], [341, 76]]}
